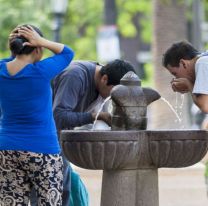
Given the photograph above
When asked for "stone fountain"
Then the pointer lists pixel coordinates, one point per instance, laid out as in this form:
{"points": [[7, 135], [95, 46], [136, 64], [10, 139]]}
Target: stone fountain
{"points": [[130, 155]]}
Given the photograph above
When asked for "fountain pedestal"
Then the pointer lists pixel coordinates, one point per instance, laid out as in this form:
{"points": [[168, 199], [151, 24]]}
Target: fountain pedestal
{"points": [[130, 187]]}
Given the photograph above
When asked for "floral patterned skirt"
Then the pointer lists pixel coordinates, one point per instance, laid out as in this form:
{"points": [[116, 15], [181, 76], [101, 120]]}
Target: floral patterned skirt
{"points": [[20, 171]]}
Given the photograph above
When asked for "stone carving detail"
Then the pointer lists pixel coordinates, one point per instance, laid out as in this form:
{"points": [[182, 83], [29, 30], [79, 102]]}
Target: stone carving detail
{"points": [[178, 153], [112, 150], [130, 102], [101, 155]]}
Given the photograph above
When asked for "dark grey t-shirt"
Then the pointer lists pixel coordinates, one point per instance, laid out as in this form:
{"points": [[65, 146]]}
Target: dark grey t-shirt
{"points": [[73, 91]]}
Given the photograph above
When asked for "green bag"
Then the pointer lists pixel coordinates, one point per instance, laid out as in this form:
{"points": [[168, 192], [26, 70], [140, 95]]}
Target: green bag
{"points": [[79, 195]]}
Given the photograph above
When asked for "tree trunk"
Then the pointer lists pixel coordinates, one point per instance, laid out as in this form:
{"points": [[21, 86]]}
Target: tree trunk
{"points": [[169, 25], [130, 47]]}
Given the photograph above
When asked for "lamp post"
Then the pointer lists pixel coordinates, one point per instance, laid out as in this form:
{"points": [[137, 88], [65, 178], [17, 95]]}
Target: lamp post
{"points": [[59, 8], [108, 45]]}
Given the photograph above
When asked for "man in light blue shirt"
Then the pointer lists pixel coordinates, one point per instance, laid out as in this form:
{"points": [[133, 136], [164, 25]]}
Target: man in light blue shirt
{"points": [[190, 69]]}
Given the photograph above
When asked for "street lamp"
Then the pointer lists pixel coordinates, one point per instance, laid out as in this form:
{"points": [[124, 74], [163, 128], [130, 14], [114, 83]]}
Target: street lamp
{"points": [[59, 8]]}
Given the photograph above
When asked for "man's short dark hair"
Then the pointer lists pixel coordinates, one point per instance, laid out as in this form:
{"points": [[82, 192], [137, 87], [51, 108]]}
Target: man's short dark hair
{"points": [[178, 51], [115, 70]]}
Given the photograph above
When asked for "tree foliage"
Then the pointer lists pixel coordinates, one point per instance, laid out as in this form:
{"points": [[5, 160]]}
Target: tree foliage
{"points": [[13, 13], [81, 22], [127, 10], [80, 26]]}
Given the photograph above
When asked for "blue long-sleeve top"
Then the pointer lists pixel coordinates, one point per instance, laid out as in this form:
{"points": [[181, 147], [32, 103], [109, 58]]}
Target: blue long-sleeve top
{"points": [[27, 122], [6, 59]]}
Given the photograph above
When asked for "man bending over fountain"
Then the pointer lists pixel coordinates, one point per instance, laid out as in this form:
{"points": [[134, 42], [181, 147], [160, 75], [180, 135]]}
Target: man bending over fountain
{"points": [[190, 69], [75, 92]]}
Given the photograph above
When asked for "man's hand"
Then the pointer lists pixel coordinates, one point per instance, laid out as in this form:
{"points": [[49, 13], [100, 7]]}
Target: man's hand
{"points": [[104, 116], [182, 85]]}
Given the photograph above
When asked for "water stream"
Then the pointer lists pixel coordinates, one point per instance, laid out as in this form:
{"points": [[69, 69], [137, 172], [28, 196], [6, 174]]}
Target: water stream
{"points": [[172, 108], [177, 110], [100, 110]]}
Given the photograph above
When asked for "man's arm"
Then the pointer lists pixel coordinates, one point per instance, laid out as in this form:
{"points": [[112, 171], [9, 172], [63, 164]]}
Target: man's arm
{"points": [[200, 87], [201, 100], [68, 92]]}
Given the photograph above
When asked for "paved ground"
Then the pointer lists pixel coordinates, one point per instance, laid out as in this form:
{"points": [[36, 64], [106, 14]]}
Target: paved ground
{"points": [[177, 187]]}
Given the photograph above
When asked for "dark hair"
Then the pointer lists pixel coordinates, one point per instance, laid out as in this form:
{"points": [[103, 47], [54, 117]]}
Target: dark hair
{"points": [[16, 44], [178, 51], [115, 70]]}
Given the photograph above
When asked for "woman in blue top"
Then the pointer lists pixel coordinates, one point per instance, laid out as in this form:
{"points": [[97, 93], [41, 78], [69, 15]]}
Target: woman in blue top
{"points": [[29, 148]]}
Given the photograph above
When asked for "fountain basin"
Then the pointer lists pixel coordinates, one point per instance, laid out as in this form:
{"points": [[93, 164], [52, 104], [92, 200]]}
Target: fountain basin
{"points": [[113, 150]]}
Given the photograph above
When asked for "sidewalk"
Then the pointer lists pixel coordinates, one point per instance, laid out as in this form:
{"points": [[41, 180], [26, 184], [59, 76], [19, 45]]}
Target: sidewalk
{"points": [[177, 187], [183, 187]]}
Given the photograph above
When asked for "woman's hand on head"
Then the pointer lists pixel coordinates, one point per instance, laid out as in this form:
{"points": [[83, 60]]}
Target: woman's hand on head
{"points": [[182, 85], [13, 34], [34, 39]]}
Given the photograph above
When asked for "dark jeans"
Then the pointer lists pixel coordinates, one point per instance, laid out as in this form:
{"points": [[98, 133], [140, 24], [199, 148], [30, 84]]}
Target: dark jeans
{"points": [[66, 184]]}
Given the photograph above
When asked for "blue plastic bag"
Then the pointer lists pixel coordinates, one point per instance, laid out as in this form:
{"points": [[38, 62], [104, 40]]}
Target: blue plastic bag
{"points": [[79, 195]]}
